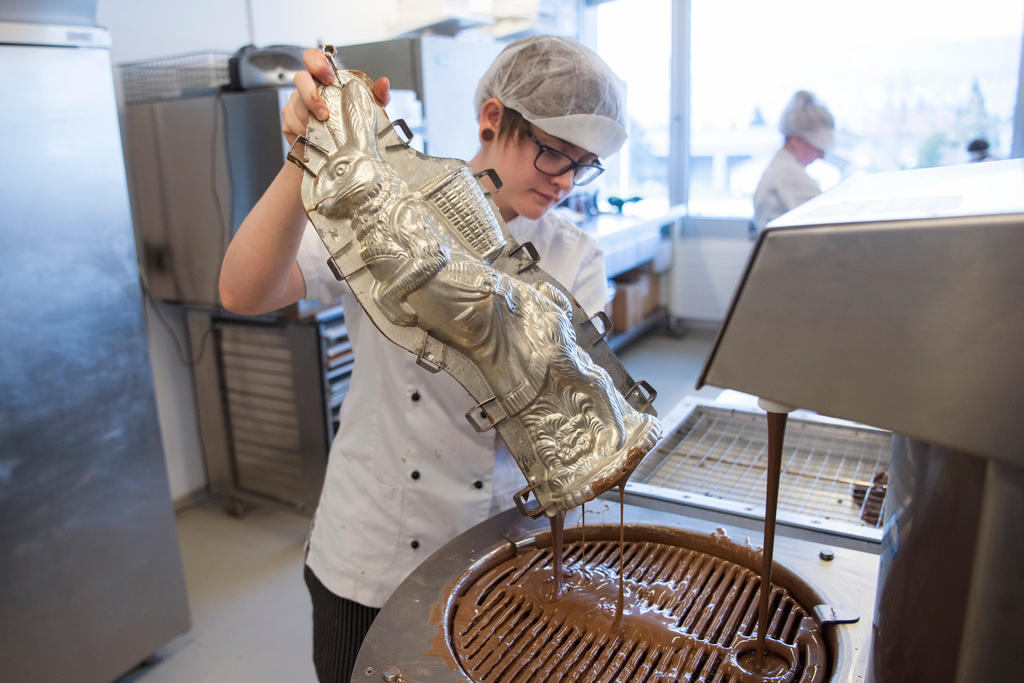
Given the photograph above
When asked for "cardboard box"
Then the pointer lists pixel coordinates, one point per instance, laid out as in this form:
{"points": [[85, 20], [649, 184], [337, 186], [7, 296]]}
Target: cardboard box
{"points": [[631, 290], [652, 302]]}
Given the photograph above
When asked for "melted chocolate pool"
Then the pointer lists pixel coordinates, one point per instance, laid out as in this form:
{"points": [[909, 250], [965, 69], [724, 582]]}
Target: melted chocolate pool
{"points": [[686, 611], [570, 613]]}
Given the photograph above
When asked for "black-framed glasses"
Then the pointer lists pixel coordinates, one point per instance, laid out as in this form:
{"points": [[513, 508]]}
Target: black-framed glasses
{"points": [[550, 161]]}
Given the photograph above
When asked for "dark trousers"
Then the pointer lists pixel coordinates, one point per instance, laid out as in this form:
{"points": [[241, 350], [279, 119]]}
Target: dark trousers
{"points": [[339, 626]]}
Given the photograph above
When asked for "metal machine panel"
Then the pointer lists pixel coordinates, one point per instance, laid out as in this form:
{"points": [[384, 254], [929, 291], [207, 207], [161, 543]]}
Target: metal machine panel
{"points": [[91, 578], [183, 209], [898, 305], [197, 167], [443, 72], [397, 59], [451, 70], [911, 325]]}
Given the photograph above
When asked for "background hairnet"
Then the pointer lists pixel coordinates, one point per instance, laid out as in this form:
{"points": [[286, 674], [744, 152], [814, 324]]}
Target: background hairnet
{"points": [[561, 87], [807, 117]]}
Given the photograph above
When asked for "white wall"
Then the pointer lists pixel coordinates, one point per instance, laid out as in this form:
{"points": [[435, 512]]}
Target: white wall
{"points": [[708, 259], [175, 402], [147, 30], [310, 22], [144, 30]]}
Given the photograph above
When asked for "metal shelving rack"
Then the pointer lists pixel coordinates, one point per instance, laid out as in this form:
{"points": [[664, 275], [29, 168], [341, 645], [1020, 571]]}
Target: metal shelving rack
{"points": [[337, 360], [268, 393]]}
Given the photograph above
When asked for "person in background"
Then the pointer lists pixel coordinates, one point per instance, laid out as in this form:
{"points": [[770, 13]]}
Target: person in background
{"points": [[809, 129], [977, 150], [407, 472]]}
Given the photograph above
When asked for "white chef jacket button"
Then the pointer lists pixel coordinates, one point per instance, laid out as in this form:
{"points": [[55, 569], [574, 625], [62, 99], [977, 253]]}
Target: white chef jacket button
{"points": [[415, 396], [415, 544], [415, 474], [478, 484]]}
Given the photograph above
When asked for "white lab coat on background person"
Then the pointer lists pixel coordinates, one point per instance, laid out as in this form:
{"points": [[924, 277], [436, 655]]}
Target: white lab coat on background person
{"points": [[407, 472], [784, 186], [808, 129]]}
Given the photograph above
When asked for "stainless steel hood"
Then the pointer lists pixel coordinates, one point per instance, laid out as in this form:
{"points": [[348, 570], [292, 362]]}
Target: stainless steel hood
{"points": [[892, 300]]}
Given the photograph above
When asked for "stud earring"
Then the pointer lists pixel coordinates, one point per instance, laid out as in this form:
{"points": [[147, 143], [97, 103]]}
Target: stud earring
{"points": [[487, 134]]}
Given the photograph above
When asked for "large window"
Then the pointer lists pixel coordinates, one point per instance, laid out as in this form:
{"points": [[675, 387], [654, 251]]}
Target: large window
{"points": [[635, 38], [910, 83]]}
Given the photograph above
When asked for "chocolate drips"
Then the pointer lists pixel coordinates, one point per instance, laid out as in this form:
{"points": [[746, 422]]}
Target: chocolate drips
{"points": [[776, 435], [664, 610], [557, 588], [622, 526]]}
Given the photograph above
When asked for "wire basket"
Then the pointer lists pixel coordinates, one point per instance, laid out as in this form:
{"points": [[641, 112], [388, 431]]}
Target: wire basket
{"points": [[173, 77], [461, 200]]}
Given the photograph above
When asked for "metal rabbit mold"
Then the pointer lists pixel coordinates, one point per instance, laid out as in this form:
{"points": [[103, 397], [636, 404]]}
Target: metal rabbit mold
{"points": [[428, 257]]}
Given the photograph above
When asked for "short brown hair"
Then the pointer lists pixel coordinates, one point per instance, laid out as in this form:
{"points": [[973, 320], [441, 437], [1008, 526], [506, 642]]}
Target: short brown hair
{"points": [[513, 126]]}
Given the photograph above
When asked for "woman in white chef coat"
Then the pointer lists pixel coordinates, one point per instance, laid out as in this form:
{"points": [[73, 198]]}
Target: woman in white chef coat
{"points": [[407, 472], [808, 128]]}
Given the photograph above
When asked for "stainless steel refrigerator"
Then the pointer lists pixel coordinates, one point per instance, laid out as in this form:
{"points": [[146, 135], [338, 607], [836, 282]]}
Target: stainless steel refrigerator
{"points": [[91, 577]]}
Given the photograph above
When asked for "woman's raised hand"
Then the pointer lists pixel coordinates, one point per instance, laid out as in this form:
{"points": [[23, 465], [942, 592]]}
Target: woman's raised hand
{"points": [[306, 97]]}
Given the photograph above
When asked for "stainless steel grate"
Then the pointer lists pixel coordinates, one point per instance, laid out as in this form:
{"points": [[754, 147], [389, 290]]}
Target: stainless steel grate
{"points": [[833, 475]]}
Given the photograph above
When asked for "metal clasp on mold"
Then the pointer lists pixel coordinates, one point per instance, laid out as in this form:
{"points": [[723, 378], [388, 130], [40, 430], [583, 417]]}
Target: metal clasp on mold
{"points": [[490, 410], [301, 163], [520, 498], [332, 264], [398, 123], [429, 350], [404, 127], [329, 52], [606, 326], [636, 398], [532, 256], [495, 180], [336, 269]]}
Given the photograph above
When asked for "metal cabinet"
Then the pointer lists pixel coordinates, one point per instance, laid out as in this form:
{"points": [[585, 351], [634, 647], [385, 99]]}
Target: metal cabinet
{"points": [[196, 166]]}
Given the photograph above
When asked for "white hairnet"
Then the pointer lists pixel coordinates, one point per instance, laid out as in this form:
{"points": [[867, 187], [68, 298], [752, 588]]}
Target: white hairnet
{"points": [[808, 118], [561, 87]]}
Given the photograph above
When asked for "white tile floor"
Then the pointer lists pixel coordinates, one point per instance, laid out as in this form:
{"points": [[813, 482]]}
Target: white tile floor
{"points": [[250, 608]]}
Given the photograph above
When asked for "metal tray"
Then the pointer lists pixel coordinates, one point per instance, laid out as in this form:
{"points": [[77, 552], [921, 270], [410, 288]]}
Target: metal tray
{"points": [[713, 457]]}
